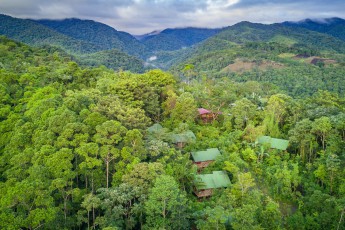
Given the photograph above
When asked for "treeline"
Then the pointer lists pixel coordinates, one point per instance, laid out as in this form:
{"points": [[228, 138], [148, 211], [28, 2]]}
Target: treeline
{"points": [[76, 153]]}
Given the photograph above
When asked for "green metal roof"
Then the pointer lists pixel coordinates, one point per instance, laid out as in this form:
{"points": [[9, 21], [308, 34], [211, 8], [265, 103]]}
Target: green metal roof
{"points": [[274, 142], [184, 137], [264, 140], [154, 128], [208, 155], [218, 179], [279, 144]]}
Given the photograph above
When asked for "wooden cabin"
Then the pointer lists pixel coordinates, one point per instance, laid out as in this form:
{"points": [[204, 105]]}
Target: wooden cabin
{"points": [[204, 184], [208, 116], [181, 139], [203, 158]]}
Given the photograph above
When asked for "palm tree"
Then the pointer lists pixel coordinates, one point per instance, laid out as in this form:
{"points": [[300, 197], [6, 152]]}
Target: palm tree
{"points": [[261, 154]]}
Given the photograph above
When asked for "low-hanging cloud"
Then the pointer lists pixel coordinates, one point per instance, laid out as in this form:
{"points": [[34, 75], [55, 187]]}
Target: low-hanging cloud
{"points": [[141, 16]]}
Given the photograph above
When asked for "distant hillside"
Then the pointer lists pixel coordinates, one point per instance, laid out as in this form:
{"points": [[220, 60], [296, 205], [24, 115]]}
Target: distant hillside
{"points": [[254, 32], [331, 26], [33, 33], [84, 52], [219, 47], [113, 59], [174, 39], [97, 33], [246, 32], [290, 58]]}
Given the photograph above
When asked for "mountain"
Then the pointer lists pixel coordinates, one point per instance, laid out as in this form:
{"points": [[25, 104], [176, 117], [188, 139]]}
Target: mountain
{"points": [[84, 51], [330, 26], [178, 38], [254, 32], [33, 33], [247, 32], [97, 33], [291, 58], [222, 44], [143, 36]]}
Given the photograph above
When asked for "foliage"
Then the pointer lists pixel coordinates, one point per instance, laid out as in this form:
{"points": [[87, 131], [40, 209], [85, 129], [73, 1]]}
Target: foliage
{"points": [[78, 149]]}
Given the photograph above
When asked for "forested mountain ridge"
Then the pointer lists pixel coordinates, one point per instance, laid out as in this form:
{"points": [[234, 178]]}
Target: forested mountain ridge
{"points": [[83, 52], [99, 34], [177, 38], [33, 33], [164, 49], [291, 58], [246, 32], [243, 32], [330, 26], [78, 148]]}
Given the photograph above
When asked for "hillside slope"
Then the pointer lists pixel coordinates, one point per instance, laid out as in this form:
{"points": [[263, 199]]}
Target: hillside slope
{"points": [[82, 51], [297, 60], [331, 26], [97, 33], [33, 33]]}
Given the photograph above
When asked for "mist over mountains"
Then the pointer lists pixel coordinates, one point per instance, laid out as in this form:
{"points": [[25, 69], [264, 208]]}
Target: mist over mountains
{"points": [[91, 42]]}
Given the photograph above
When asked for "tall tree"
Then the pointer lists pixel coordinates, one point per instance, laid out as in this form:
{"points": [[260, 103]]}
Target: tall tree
{"points": [[167, 206]]}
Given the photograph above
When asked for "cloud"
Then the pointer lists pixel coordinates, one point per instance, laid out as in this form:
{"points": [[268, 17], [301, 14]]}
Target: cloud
{"points": [[142, 16], [302, 3]]}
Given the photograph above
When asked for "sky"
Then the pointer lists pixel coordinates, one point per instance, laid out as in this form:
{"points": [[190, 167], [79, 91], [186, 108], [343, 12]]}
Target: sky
{"points": [[143, 16]]}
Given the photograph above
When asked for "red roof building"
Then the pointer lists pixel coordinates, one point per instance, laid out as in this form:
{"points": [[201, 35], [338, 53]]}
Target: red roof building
{"points": [[207, 116]]}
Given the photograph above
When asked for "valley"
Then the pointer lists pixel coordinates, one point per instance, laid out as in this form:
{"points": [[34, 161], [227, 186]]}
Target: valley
{"points": [[240, 127]]}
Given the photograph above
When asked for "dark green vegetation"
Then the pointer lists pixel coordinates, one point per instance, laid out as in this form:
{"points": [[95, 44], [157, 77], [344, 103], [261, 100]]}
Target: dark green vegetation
{"points": [[35, 34], [75, 152], [85, 50], [331, 26], [98, 34], [297, 60], [78, 149]]}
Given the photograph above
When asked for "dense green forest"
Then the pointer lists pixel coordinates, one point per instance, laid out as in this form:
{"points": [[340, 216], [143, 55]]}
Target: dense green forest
{"points": [[88, 42], [331, 26], [98, 34], [79, 148]]}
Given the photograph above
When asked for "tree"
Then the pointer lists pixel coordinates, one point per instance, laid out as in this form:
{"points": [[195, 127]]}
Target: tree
{"points": [[261, 154], [245, 218], [167, 206], [244, 183], [122, 206], [185, 109], [90, 162], [143, 175], [61, 168], [270, 217], [108, 136], [333, 167], [321, 127], [301, 135], [91, 203], [212, 218], [189, 72], [243, 111]]}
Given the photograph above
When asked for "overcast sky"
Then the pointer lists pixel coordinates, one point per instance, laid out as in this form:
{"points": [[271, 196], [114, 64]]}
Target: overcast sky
{"points": [[142, 16]]}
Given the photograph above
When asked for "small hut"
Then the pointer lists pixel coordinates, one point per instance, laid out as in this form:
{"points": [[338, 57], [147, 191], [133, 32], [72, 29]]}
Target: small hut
{"points": [[208, 116], [206, 183], [203, 158], [156, 131], [181, 139]]}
